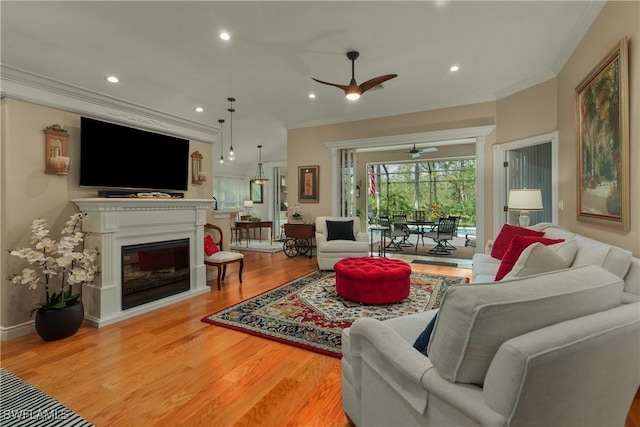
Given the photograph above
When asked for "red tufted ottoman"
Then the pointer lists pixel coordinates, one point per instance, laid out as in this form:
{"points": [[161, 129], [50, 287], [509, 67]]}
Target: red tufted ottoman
{"points": [[372, 280]]}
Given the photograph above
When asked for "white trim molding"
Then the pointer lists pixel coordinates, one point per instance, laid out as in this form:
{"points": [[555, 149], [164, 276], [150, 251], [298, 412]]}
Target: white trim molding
{"points": [[26, 86]]}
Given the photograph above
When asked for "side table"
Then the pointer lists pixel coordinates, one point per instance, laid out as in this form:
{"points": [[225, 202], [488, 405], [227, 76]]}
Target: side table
{"points": [[382, 250]]}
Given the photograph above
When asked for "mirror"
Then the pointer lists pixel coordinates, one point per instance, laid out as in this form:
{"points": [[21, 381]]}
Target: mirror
{"points": [[198, 175]]}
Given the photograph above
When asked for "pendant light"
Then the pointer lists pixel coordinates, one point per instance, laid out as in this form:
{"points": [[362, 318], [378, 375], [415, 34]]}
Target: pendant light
{"points": [[221, 121], [260, 178], [231, 111]]}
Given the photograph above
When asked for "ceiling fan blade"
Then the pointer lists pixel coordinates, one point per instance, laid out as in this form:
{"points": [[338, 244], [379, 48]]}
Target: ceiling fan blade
{"points": [[376, 81], [343, 87], [428, 150], [415, 155]]}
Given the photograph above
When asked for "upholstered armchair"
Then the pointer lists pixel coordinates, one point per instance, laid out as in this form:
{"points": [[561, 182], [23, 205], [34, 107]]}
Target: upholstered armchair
{"points": [[338, 238]]}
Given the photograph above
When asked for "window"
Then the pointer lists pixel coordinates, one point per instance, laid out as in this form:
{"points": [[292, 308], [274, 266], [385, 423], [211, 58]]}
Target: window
{"points": [[228, 192], [443, 187]]}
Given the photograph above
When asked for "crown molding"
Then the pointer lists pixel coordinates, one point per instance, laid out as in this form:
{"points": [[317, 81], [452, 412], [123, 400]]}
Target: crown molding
{"points": [[30, 87]]}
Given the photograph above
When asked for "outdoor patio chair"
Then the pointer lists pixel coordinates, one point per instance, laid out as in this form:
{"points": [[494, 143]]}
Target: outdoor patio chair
{"points": [[443, 233]]}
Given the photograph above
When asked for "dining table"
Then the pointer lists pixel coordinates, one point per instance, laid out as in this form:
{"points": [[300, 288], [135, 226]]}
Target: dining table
{"points": [[248, 225], [420, 225]]}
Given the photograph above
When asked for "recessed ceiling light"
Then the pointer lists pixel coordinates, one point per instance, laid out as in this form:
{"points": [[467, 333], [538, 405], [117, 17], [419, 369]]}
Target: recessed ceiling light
{"points": [[454, 68], [112, 79], [224, 35], [199, 109], [312, 95]]}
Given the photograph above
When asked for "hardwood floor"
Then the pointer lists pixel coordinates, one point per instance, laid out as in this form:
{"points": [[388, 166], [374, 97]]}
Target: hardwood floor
{"points": [[168, 367]]}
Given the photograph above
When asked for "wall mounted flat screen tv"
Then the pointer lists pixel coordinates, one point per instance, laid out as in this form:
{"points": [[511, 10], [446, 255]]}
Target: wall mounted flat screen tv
{"points": [[115, 156]]}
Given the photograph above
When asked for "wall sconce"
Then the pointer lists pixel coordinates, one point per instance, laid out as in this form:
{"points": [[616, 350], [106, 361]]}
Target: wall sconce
{"points": [[55, 150], [198, 176], [524, 201]]}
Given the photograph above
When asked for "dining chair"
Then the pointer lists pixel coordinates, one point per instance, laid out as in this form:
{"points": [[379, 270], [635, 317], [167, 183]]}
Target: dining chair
{"points": [[217, 257], [443, 232], [447, 243], [400, 223], [394, 234]]}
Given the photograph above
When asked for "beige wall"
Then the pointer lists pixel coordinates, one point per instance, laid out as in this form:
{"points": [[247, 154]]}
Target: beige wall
{"points": [[616, 20], [527, 113], [305, 147], [28, 193]]}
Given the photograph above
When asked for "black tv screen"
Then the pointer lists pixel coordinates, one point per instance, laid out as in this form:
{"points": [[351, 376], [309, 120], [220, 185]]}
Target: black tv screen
{"points": [[116, 156]]}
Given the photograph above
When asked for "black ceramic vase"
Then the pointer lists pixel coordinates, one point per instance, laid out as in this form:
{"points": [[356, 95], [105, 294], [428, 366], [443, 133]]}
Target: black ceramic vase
{"points": [[56, 324]]}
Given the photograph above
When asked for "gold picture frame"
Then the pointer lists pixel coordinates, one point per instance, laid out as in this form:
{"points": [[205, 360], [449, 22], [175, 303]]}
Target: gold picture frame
{"points": [[308, 184], [602, 121]]}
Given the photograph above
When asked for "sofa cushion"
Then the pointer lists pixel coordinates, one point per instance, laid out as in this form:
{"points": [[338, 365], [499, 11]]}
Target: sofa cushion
{"points": [[612, 258], [501, 244], [340, 230], [518, 244], [473, 321], [538, 258]]}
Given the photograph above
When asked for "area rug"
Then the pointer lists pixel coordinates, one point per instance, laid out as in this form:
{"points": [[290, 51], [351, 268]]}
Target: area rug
{"points": [[24, 405], [258, 246], [308, 313]]}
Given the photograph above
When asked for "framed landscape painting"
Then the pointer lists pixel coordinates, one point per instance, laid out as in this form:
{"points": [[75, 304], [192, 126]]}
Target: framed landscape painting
{"points": [[602, 110], [308, 184]]}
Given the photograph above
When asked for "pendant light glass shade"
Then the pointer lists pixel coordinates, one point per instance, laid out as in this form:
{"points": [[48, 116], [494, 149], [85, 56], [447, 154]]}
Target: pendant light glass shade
{"points": [[221, 121], [260, 178], [232, 156]]}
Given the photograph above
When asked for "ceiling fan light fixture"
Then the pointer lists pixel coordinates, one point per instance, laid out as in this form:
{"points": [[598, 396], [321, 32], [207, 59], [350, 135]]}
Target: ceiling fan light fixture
{"points": [[353, 93], [354, 90]]}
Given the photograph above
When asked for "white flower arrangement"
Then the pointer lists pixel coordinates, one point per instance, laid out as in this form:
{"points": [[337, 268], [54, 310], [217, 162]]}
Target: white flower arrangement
{"points": [[297, 211], [58, 260]]}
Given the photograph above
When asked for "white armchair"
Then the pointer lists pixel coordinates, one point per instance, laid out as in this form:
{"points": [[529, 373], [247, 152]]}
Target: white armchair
{"points": [[340, 239]]}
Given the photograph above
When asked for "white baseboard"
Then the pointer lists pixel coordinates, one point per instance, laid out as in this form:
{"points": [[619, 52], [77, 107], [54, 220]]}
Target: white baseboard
{"points": [[17, 331]]}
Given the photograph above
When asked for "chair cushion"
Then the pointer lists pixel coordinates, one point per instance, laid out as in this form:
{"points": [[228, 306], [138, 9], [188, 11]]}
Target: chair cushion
{"points": [[223, 256], [340, 230], [210, 246], [474, 320], [507, 232], [518, 244], [538, 258]]}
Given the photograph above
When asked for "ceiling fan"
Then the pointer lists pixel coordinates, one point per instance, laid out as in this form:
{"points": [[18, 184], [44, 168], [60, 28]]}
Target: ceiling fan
{"points": [[415, 153], [353, 90]]}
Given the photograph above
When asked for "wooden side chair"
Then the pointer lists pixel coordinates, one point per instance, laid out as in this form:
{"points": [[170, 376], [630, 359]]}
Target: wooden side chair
{"points": [[220, 258]]}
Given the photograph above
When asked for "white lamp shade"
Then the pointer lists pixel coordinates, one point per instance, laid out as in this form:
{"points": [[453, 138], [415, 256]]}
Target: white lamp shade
{"points": [[248, 203], [525, 200]]}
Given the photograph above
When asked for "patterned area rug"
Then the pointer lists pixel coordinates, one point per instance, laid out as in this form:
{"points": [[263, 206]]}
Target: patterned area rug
{"points": [[308, 313], [24, 405]]}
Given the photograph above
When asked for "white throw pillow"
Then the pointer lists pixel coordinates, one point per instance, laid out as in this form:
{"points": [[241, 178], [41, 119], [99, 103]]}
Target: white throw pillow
{"points": [[538, 258]]}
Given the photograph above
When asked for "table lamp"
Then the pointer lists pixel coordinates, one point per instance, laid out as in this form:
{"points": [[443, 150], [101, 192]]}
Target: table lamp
{"points": [[525, 201], [248, 204]]}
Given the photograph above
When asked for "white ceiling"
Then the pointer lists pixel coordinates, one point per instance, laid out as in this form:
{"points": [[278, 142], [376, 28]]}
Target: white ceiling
{"points": [[169, 57]]}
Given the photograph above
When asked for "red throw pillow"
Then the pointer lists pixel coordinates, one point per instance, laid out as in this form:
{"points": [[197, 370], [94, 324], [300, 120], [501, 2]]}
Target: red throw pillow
{"points": [[519, 244], [507, 232], [210, 246]]}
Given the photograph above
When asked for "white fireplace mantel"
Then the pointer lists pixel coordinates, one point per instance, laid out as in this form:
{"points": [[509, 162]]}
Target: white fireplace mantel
{"points": [[112, 223]]}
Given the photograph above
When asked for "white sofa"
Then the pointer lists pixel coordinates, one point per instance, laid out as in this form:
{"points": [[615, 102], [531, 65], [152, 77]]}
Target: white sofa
{"points": [[555, 349], [588, 251], [331, 251]]}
